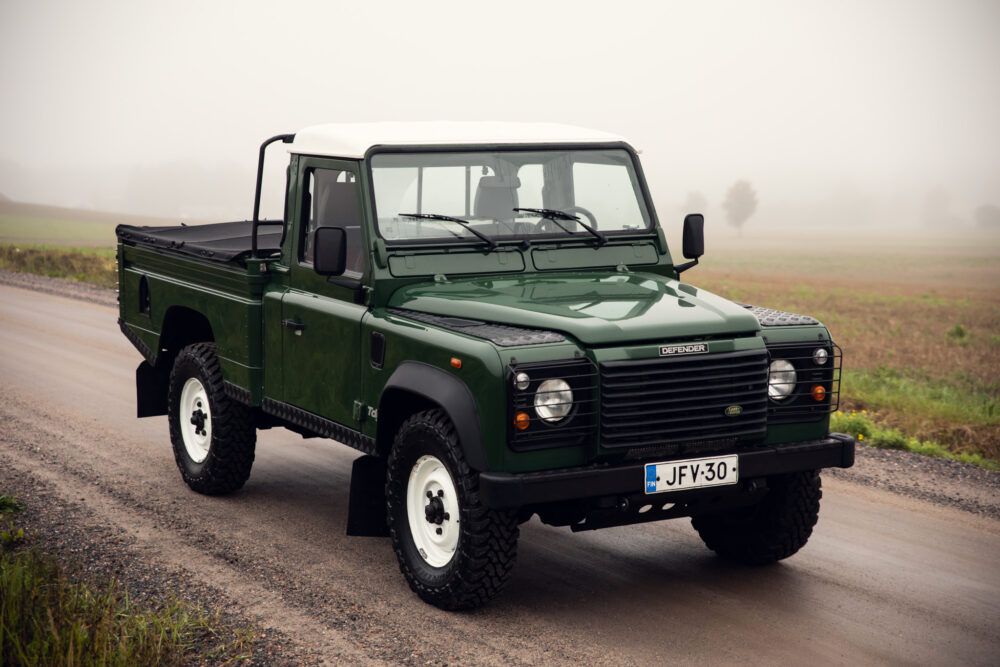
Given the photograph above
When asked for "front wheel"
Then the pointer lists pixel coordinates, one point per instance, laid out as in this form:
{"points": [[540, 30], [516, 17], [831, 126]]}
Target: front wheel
{"points": [[773, 529], [213, 436], [454, 552]]}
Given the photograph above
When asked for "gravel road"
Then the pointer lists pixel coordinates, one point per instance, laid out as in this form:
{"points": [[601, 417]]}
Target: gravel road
{"points": [[901, 567]]}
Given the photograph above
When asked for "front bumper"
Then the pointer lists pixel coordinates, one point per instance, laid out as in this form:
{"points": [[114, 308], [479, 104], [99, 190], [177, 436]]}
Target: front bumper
{"points": [[501, 490]]}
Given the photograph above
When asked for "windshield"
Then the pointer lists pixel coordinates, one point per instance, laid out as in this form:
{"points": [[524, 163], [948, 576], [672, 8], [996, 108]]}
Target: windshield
{"points": [[505, 195]]}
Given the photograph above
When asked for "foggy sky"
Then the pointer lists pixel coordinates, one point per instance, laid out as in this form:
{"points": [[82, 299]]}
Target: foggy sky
{"points": [[833, 110]]}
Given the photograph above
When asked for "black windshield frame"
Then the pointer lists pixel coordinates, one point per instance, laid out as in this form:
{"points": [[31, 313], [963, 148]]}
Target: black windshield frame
{"points": [[644, 199]]}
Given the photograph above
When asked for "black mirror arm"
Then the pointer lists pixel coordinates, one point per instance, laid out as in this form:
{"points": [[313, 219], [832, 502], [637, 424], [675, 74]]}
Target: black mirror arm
{"points": [[680, 268], [357, 289]]}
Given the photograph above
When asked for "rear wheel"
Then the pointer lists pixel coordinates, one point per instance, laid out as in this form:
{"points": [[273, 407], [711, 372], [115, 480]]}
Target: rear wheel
{"points": [[773, 529], [454, 552], [213, 436]]}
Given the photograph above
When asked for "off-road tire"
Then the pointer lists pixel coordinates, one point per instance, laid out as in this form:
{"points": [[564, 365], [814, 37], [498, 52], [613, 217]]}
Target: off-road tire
{"points": [[486, 551], [773, 529], [233, 435]]}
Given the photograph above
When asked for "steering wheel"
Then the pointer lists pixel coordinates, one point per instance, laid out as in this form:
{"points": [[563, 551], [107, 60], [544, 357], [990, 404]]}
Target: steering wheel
{"points": [[547, 225]]}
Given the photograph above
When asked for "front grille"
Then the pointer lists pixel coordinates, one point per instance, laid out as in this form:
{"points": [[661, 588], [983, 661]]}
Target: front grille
{"points": [[684, 400]]}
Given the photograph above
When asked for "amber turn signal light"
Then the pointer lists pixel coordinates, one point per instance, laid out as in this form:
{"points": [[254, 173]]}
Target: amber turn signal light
{"points": [[521, 421], [456, 362], [818, 392]]}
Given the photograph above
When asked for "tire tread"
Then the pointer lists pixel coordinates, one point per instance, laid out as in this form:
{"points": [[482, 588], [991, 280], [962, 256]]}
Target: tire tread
{"points": [[778, 526], [234, 435], [487, 553]]}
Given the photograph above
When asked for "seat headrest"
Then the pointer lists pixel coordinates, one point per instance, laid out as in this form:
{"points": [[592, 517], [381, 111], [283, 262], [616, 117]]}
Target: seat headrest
{"points": [[499, 182], [340, 205], [496, 198]]}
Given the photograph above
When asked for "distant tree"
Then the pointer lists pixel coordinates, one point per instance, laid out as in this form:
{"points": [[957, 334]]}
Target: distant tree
{"points": [[696, 202], [740, 203], [988, 216]]}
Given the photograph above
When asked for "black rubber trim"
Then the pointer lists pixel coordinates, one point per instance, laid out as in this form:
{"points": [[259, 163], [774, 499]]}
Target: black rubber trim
{"points": [[321, 426], [451, 394], [508, 490], [236, 393], [133, 338], [502, 334]]}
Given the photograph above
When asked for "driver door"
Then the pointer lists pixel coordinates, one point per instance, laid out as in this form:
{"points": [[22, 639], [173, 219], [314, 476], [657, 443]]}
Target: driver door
{"points": [[321, 319]]}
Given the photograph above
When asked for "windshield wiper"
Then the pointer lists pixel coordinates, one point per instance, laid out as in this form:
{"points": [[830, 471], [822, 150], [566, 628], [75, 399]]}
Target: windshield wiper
{"points": [[447, 218], [555, 215]]}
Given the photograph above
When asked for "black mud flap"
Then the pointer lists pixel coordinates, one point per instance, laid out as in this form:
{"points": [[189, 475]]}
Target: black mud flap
{"points": [[150, 390], [366, 511]]}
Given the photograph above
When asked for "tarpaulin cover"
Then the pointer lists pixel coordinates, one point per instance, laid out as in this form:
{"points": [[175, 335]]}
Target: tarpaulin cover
{"points": [[222, 241]]}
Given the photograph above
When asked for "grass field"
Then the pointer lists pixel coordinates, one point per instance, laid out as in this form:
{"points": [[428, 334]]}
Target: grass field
{"points": [[918, 319], [917, 315], [20, 229], [37, 224], [49, 616], [89, 265]]}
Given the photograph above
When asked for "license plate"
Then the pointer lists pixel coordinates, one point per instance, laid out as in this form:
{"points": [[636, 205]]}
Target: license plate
{"points": [[692, 473]]}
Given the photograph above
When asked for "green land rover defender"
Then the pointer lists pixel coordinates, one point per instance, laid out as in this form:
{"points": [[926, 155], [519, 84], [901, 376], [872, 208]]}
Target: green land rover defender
{"points": [[488, 312]]}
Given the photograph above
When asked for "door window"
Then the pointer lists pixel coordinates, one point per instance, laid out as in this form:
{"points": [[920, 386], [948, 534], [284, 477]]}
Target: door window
{"points": [[331, 199]]}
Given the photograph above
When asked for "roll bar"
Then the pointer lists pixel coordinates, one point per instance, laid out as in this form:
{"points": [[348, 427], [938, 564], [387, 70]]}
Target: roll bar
{"points": [[286, 139]]}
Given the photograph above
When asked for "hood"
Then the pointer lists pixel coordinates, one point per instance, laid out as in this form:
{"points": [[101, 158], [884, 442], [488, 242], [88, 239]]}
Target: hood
{"points": [[595, 308]]}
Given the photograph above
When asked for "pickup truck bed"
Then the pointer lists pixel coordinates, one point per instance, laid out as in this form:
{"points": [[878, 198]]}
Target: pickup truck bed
{"points": [[221, 242], [197, 282]]}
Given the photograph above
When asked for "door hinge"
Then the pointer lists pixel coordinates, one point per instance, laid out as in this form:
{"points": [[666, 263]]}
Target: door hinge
{"points": [[359, 411]]}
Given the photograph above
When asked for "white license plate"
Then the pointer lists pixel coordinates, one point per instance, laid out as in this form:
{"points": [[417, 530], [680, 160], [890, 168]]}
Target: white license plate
{"points": [[692, 473]]}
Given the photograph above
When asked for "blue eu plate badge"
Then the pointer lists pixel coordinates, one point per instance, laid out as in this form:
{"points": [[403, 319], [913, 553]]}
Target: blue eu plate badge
{"points": [[650, 479]]}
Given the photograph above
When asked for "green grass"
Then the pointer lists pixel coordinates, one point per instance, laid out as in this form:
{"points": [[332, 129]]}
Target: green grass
{"points": [[960, 412], [46, 618], [29, 229], [863, 427], [9, 505], [89, 265], [955, 400]]}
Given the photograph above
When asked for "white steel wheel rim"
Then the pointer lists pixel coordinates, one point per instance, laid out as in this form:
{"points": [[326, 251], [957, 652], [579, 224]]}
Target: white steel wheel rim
{"points": [[432, 511], [196, 420]]}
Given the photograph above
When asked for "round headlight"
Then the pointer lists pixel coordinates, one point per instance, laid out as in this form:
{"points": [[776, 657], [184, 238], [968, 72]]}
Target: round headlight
{"points": [[820, 355], [780, 380], [522, 381], [553, 400]]}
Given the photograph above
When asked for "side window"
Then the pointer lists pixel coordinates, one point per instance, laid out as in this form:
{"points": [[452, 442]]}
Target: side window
{"points": [[331, 199]]}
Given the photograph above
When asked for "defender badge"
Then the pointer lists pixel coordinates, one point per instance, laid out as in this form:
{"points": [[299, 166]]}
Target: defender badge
{"points": [[668, 350], [734, 410]]}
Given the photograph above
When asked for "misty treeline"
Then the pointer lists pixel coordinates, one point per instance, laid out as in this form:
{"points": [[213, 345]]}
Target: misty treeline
{"points": [[847, 206], [940, 212], [180, 190], [739, 204], [207, 192]]}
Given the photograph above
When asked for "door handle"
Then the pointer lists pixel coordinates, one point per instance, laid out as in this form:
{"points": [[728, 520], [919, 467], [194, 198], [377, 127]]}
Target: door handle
{"points": [[297, 327]]}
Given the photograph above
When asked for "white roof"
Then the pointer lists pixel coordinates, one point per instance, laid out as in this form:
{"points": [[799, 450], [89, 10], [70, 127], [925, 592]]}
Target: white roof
{"points": [[352, 140]]}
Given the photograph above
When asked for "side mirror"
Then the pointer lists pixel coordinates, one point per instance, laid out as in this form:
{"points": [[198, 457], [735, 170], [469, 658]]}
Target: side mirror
{"points": [[694, 241], [694, 235], [330, 251]]}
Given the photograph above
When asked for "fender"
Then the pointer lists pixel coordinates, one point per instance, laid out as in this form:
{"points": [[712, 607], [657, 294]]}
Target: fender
{"points": [[447, 391]]}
